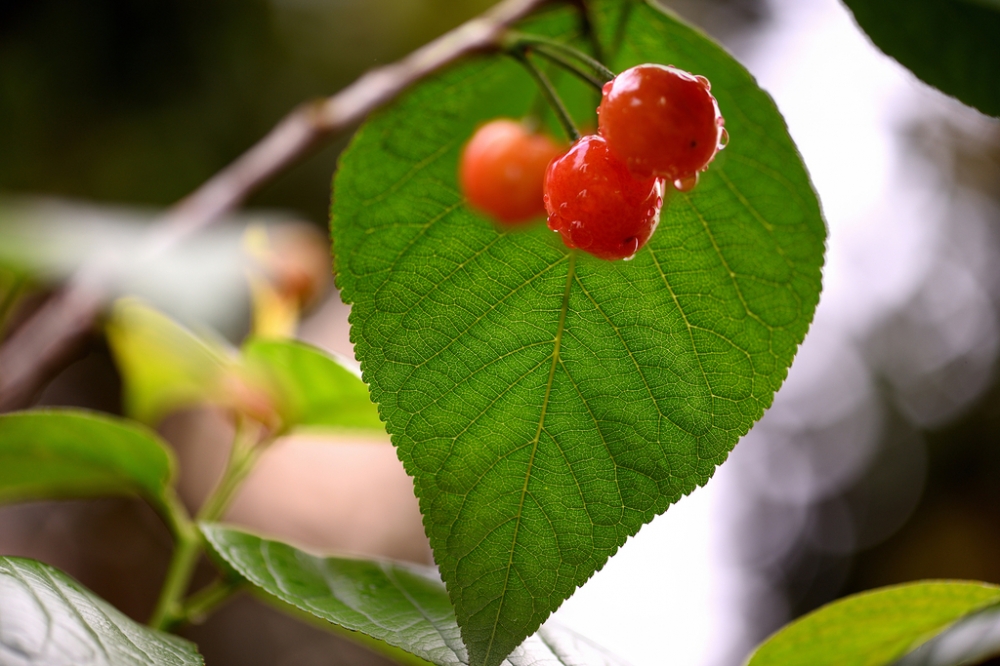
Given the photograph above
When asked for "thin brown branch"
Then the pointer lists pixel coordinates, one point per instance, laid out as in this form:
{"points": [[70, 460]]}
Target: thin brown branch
{"points": [[43, 345]]}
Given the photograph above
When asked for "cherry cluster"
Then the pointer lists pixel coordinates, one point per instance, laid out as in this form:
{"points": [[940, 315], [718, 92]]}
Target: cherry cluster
{"points": [[658, 127]]}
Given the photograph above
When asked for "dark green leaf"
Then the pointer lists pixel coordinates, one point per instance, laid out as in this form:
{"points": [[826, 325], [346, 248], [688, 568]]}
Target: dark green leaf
{"points": [[950, 44], [48, 619], [70, 453], [874, 628], [404, 605], [312, 387], [548, 405]]}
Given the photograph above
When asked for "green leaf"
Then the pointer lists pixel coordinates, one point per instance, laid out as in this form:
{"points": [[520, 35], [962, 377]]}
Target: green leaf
{"points": [[51, 620], [548, 404], [50, 453], [163, 365], [403, 605], [312, 387], [875, 627], [950, 44]]}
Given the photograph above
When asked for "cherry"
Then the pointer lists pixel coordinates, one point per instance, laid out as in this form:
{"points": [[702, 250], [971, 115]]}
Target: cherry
{"points": [[597, 205], [661, 121], [502, 168]]}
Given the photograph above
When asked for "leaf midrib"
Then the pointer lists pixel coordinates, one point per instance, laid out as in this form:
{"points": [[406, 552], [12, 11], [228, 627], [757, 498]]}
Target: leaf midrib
{"points": [[557, 344]]}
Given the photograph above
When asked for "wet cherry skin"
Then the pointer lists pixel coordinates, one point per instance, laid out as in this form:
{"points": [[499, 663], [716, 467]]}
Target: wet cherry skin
{"points": [[597, 205], [661, 121], [502, 168]]}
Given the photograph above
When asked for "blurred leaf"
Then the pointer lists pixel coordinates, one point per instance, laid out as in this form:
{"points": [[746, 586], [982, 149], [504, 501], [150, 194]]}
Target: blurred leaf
{"points": [[970, 640], [952, 45], [876, 627], [66, 453], [282, 383], [51, 620], [404, 605], [312, 387], [163, 365], [274, 315], [547, 404]]}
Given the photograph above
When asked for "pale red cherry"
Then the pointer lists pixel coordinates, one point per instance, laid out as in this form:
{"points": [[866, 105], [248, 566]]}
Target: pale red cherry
{"points": [[502, 168]]}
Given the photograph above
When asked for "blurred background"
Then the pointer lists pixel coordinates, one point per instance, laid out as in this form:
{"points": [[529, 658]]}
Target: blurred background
{"points": [[876, 465]]}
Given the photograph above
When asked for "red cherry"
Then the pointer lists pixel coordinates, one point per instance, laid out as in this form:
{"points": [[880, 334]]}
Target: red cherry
{"points": [[597, 205], [502, 168], [661, 121]]}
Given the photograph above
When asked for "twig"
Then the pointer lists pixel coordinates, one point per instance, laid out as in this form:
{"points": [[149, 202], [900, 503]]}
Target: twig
{"points": [[57, 333]]}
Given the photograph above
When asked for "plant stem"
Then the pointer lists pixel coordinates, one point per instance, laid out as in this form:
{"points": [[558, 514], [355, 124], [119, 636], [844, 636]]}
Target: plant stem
{"points": [[550, 95], [182, 564], [170, 609]]}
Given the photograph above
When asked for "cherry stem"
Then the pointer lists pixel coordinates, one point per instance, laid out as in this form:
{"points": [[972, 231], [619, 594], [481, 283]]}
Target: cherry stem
{"points": [[561, 60], [515, 41], [549, 91]]}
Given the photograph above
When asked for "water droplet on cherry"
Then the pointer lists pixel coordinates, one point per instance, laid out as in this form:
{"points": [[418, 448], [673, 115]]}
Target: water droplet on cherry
{"points": [[723, 138], [687, 183], [705, 83]]}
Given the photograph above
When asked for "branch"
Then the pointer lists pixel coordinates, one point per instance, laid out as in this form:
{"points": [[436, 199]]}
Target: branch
{"points": [[58, 332]]}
